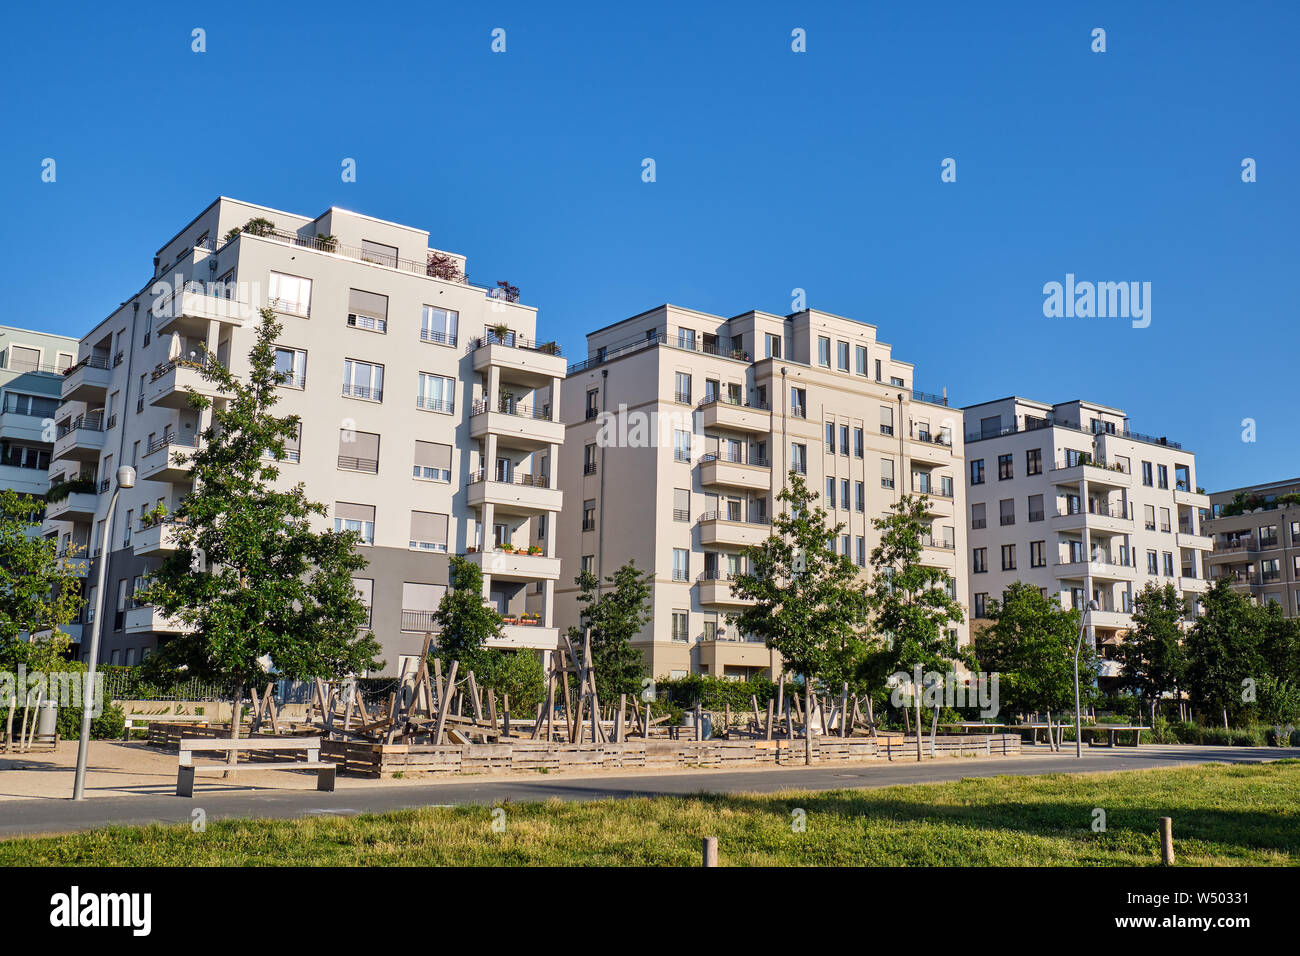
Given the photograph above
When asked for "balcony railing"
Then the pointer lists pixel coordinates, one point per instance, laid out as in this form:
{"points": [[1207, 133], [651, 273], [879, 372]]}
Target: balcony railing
{"points": [[350, 463], [529, 481], [758, 521], [1072, 426], [164, 367], [756, 461], [417, 621], [512, 340], [92, 422], [929, 541], [90, 361], [542, 414], [367, 392], [734, 403], [1092, 461], [170, 439]]}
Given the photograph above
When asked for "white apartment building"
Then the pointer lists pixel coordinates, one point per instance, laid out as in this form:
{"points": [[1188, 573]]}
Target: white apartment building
{"points": [[703, 417], [1067, 498], [427, 410], [31, 374]]}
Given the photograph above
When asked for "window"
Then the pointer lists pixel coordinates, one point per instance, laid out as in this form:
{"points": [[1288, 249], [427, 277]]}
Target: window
{"points": [[1152, 566], [439, 326], [589, 515], [428, 531], [681, 504], [771, 346], [861, 556], [977, 471], [419, 601], [1169, 563], [1033, 461], [978, 519], [358, 451], [683, 392], [588, 564], [1162, 476], [1149, 517], [291, 366], [860, 359], [432, 461], [1008, 557], [1267, 533], [857, 443], [846, 542], [126, 532], [589, 459], [1146, 473], [981, 605], [860, 496], [844, 493], [435, 393], [895, 380], [593, 403], [830, 438], [379, 253], [367, 310], [1005, 468], [681, 626], [842, 356], [681, 564], [980, 560], [1035, 507], [877, 370], [886, 472], [799, 458], [1164, 520], [355, 517], [1007, 511], [363, 380], [35, 406], [291, 294], [886, 420], [681, 445], [686, 339], [823, 351], [799, 402], [1038, 554]]}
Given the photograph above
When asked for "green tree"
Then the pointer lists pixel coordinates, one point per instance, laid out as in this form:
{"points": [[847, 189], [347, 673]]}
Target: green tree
{"points": [[1030, 644], [808, 604], [251, 580], [1222, 651], [1279, 643], [909, 599], [1152, 653], [465, 621], [38, 590], [613, 617]]}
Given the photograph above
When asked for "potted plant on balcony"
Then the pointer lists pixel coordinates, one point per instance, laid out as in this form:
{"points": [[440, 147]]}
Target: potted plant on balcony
{"points": [[507, 291], [535, 549], [259, 226], [501, 331], [328, 243], [440, 265]]}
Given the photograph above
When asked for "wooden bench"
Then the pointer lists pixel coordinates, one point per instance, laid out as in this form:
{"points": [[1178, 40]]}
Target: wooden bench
{"points": [[188, 747], [131, 720], [1113, 731]]}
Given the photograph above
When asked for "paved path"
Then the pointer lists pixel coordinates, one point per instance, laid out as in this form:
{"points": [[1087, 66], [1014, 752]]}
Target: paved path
{"points": [[18, 817]]}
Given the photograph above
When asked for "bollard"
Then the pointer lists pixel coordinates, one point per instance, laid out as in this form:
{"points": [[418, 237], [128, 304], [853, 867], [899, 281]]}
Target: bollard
{"points": [[1167, 841], [710, 851]]}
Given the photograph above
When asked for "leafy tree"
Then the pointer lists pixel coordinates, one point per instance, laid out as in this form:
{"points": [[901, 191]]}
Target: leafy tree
{"points": [[808, 604], [1152, 654], [1030, 644], [1279, 643], [909, 599], [465, 621], [251, 579], [1222, 651], [38, 591], [613, 618]]}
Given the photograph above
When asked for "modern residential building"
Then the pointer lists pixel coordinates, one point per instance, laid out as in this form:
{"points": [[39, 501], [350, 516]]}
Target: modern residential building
{"points": [[1066, 497], [1256, 533], [31, 374], [427, 411], [681, 428]]}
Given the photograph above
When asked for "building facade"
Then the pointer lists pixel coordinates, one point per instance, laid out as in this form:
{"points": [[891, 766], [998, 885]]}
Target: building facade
{"points": [[681, 428], [427, 410], [1256, 534], [1067, 498], [31, 375]]}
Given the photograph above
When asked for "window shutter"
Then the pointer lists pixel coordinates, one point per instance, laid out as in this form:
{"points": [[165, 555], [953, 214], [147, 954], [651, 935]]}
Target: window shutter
{"points": [[368, 303], [432, 454], [354, 512], [428, 526]]}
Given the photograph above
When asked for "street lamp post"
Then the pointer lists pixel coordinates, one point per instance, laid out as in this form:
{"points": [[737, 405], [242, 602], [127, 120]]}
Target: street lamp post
{"points": [[1078, 647], [125, 479]]}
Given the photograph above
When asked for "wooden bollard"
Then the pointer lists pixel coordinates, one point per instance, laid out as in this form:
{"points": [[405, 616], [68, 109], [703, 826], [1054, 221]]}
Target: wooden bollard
{"points": [[710, 851], [1167, 841]]}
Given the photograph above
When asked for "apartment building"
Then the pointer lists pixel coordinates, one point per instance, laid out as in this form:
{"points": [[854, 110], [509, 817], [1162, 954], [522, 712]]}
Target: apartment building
{"points": [[1256, 534], [31, 373], [427, 410], [681, 427], [1068, 498]]}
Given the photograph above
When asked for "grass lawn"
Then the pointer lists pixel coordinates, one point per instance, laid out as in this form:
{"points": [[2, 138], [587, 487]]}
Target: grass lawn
{"points": [[1223, 815]]}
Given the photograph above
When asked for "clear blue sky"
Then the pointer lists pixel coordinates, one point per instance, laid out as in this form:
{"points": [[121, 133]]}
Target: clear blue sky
{"points": [[775, 170]]}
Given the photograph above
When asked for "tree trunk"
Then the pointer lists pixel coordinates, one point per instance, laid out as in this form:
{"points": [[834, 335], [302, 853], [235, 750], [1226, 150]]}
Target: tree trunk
{"points": [[233, 758], [1225, 718]]}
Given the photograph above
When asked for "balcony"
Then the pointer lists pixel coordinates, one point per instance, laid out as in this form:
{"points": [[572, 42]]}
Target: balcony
{"points": [[1245, 544], [720, 653], [718, 412], [519, 495], [77, 565], [515, 566], [160, 461], [1196, 542], [155, 539], [522, 361], [1109, 619], [938, 504], [715, 589], [1106, 570], [728, 533], [171, 383], [516, 634], [76, 506], [518, 426], [80, 439], [88, 380], [1193, 584], [20, 428], [1191, 499], [1115, 520], [929, 448], [1095, 470], [147, 620], [189, 312], [718, 471]]}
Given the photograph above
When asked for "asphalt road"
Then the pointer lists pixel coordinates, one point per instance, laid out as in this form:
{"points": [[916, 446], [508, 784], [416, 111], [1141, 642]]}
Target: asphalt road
{"points": [[38, 816]]}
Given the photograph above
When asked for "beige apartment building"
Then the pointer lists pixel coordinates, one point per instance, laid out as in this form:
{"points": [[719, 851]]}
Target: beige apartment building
{"points": [[427, 408], [1066, 497], [1256, 534], [680, 429]]}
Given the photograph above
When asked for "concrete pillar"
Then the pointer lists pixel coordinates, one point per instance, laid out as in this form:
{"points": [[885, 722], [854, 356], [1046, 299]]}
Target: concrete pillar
{"points": [[548, 597]]}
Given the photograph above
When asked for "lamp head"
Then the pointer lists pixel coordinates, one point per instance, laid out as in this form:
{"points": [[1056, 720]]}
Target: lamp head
{"points": [[126, 477]]}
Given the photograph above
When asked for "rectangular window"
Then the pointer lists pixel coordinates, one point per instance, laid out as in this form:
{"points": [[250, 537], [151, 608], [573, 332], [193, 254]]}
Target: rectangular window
{"points": [[290, 294], [686, 339], [363, 380], [844, 493], [860, 495], [799, 403], [1038, 554], [799, 458], [367, 310], [886, 472], [681, 445], [857, 443], [291, 366], [844, 440], [428, 531], [419, 601], [860, 357], [830, 438], [681, 564], [1036, 508], [681, 504], [379, 253], [435, 393], [681, 626], [771, 346], [978, 519], [440, 326], [1034, 461], [1162, 476], [358, 451], [683, 393], [981, 605], [980, 560], [842, 355], [1008, 557], [1152, 566], [432, 461], [589, 459], [1007, 511], [1149, 517], [977, 471], [823, 351], [355, 517], [830, 492], [1006, 468], [1146, 473], [886, 420]]}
